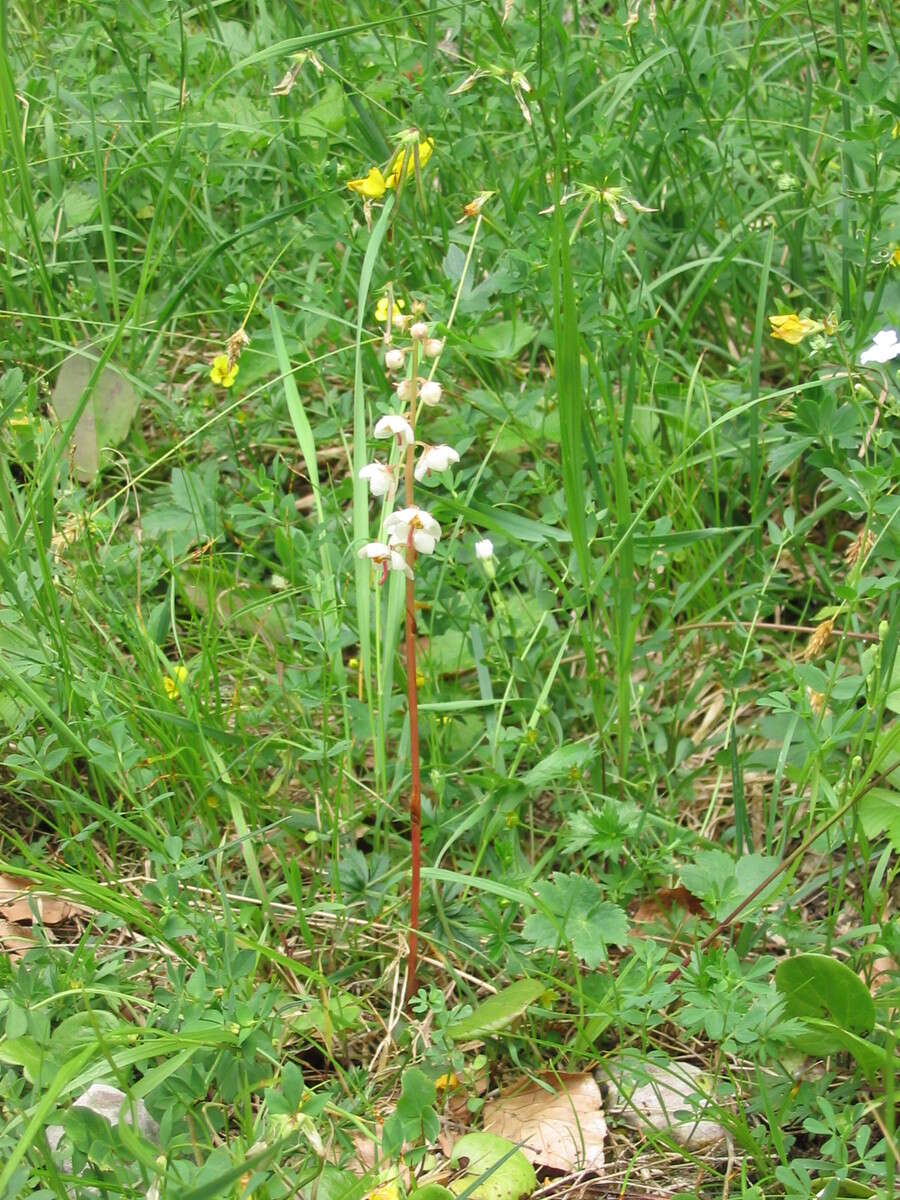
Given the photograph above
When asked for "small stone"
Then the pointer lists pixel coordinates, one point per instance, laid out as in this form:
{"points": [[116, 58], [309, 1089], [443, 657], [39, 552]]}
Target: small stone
{"points": [[107, 1102], [669, 1098]]}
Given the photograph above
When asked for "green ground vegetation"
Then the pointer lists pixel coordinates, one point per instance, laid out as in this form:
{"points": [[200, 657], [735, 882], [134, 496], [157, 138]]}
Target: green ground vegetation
{"points": [[670, 693]]}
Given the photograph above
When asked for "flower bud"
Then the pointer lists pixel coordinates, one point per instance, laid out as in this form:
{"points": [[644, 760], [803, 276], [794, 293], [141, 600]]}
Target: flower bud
{"points": [[418, 331], [406, 389], [433, 347], [393, 360], [431, 392]]}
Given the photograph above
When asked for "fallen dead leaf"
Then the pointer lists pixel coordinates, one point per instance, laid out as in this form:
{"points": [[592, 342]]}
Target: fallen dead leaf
{"points": [[14, 939], [666, 904], [563, 1128], [17, 899]]}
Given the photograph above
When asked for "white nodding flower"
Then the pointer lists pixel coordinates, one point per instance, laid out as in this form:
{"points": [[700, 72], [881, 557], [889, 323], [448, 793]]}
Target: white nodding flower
{"points": [[379, 477], [418, 331], [385, 557], [435, 458], [430, 392], [406, 390], [413, 525], [393, 425], [393, 360], [885, 346], [484, 550], [433, 347]]}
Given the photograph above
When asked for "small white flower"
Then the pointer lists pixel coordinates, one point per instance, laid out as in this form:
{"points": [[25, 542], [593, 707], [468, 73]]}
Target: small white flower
{"points": [[413, 524], [395, 425], [419, 331], [885, 346], [386, 557], [433, 347], [393, 360], [435, 458], [379, 477], [430, 392], [406, 390], [484, 550]]}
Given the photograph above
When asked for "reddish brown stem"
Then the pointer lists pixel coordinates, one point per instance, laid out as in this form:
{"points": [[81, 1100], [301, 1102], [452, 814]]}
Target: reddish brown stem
{"points": [[412, 693], [415, 795]]}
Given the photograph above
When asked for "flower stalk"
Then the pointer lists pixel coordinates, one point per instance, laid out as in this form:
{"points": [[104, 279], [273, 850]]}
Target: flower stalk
{"points": [[412, 696]]}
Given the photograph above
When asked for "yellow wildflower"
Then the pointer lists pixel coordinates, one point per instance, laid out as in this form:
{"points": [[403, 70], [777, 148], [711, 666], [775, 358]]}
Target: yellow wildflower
{"points": [[222, 371], [895, 257], [381, 309], [446, 1083], [387, 1191], [172, 684], [423, 151], [788, 327], [372, 187]]}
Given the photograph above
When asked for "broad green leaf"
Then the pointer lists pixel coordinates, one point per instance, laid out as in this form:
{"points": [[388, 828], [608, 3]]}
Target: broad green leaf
{"points": [[558, 764], [431, 1191], [879, 812], [497, 1169], [497, 1012], [107, 416], [504, 340], [578, 914], [24, 1052], [721, 883], [872, 1058], [325, 117], [818, 988], [414, 1119]]}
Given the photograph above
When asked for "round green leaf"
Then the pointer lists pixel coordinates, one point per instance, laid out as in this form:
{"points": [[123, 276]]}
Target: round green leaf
{"points": [[816, 987], [497, 1170]]}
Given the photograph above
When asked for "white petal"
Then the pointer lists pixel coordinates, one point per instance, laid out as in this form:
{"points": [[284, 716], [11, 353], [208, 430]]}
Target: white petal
{"points": [[423, 541], [430, 392], [484, 549], [374, 550], [885, 346], [399, 563], [394, 425]]}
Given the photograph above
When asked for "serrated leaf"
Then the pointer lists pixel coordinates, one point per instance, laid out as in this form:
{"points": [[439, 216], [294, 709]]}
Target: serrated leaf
{"points": [[557, 764], [721, 883], [497, 1012], [107, 416], [579, 915]]}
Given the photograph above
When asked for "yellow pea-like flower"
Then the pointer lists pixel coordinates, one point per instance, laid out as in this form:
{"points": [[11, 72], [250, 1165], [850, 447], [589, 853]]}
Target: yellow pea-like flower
{"points": [[223, 373], [425, 150], [788, 327], [172, 684], [381, 309], [372, 187]]}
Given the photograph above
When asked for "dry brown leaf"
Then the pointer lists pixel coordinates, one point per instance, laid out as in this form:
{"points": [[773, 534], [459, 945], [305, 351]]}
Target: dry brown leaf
{"points": [[665, 904], [14, 939], [563, 1128], [16, 900]]}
